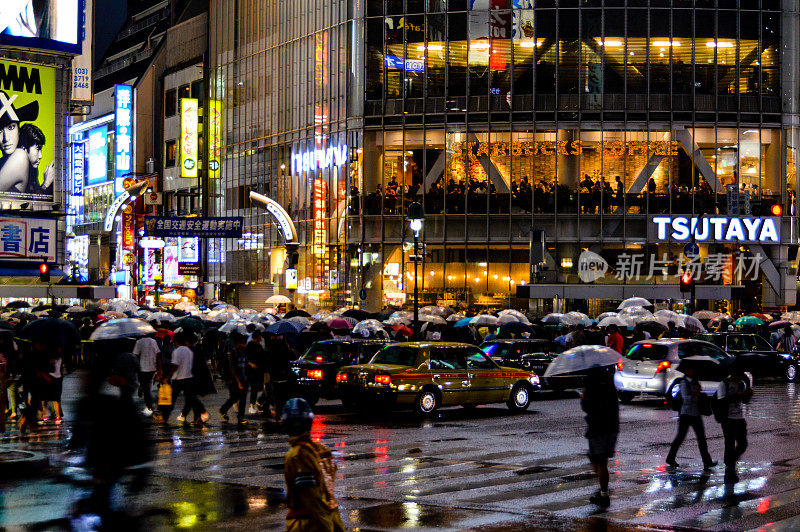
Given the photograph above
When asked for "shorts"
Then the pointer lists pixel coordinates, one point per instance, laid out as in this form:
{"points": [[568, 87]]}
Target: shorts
{"points": [[602, 446]]}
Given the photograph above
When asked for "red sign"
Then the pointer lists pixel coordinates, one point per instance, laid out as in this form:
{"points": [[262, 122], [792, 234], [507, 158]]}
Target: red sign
{"points": [[320, 215], [128, 229], [188, 268]]}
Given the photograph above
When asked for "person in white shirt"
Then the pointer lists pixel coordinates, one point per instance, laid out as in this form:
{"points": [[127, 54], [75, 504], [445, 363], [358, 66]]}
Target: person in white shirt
{"points": [[147, 351], [734, 390], [182, 381]]}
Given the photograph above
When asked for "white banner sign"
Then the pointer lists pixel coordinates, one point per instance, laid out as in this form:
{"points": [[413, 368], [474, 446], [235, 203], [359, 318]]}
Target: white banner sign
{"points": [[27, 239], [82, 64]]}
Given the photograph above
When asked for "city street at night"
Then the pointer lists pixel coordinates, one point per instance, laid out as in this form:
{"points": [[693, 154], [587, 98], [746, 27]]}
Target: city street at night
{"points": [[482, 468]]}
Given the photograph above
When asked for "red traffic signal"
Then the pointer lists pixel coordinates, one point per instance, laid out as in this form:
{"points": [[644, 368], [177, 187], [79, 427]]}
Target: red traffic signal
{"points": [[686, 282], [44, 272], [776, 210]]}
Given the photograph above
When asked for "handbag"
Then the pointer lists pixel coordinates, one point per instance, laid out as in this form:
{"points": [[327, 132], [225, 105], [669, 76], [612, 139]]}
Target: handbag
{"points": [[165, 395]]}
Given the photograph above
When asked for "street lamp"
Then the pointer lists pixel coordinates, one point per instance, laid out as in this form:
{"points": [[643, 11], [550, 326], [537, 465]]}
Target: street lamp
{"points": [[415, 214]]}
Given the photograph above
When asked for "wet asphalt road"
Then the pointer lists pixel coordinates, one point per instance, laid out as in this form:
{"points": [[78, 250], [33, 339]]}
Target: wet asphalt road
{"points": [[483, 468]]}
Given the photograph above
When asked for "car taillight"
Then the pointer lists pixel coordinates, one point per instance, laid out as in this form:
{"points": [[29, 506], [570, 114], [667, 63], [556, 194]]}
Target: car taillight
{"points": [[663, 366], [383, 379], [619, 364], [318, 359], [315, 374], [341, 377]]}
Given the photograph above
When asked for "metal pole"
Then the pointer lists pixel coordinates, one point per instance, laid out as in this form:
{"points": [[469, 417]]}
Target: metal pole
{"points": [[416, 291]]}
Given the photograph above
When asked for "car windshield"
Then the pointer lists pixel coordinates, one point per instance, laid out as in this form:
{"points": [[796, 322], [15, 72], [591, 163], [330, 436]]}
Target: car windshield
{"points": [[515, 350], [501, 350], [395, 355], [747, 342], [648, 352], [323, 353]]}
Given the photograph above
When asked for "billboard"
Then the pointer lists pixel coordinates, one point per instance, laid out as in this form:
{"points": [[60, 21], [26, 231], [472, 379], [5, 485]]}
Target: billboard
{"points": [[97, 154], [82, 64], [27, 132], [78, 168], [214, 138], [123, 134], [43, 24], [188, 137], [27, 239]]}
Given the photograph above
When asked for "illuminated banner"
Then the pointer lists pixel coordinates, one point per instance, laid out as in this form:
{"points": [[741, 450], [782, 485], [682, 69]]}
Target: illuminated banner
{"points": [[53, 25], [715, 229], [290, 279], [309, 161], [27, 239], [98, 154], [188, 249], [128, 229], [320, 216], [27, 118], [214, 138], [123, 133], [188, 137], [78, 170], [230, 227]]}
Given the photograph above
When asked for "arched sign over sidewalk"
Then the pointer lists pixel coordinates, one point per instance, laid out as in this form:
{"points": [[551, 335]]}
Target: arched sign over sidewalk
{"points": [[279, 213]]}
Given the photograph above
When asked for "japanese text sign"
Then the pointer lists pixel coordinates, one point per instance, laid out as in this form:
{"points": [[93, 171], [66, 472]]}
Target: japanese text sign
{"points": [[230, 227], [27, 239], [188, 137], [78, 167], [123, 135]]}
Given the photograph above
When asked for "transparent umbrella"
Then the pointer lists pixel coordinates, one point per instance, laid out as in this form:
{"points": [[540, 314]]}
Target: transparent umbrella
{"points": [[612, 320], [221, 316], [634, 312], [582, 358], [575, 318], [554, 318], [161, 316], [522, 318], [438, 320], [432, 310], [634, 302], [122, 328], [605, 315], [369, 326], [455, 317], [693, 324], [483, 320]]}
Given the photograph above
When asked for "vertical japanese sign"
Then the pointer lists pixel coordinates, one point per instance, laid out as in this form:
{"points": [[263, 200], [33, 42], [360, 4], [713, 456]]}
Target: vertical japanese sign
{"points": [[27, 239], [78, 167], [82, 64], [128, 228], [98, 155], [188, 137], [214, 138], [123, 134], [320, 216]]}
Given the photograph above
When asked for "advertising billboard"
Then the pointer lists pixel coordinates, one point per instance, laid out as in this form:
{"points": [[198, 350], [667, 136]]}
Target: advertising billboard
{"points": [[188, 137], [27, 132], [49, 25], [97, 147], [27, 239], [82, 64], [78, 168], [123, 134], [214, 138]]}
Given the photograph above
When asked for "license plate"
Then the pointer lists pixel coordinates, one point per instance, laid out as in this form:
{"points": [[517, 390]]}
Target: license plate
{"points": [[637, 386]]}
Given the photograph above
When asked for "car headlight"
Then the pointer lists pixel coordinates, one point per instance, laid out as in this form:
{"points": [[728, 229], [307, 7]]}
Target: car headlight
{"points": [[535, 379]]}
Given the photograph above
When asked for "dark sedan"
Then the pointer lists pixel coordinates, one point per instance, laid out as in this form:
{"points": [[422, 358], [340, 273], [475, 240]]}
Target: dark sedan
{"points": [[755, 353], [316, 369]]}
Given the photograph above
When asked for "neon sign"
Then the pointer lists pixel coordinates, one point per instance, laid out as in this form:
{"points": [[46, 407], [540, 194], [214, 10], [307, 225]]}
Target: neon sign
{"points": [[123, 133], [716, 229], [309, 161], [188, 137]]}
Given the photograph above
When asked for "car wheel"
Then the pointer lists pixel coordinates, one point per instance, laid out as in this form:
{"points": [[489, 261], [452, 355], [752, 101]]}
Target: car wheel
{"points": [[626, 397], [791, 373], [520, 398], [427, 402]]}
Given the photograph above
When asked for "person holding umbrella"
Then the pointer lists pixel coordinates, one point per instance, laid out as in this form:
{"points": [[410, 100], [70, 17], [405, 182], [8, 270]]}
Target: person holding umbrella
{"points": [[236, 373], [599, 402], [732, 392], [180, 372], [690, 392]]}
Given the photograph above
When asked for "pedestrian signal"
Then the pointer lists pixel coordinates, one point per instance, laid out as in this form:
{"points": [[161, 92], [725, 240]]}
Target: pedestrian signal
{"points": [[44, 272], [686, 282]]}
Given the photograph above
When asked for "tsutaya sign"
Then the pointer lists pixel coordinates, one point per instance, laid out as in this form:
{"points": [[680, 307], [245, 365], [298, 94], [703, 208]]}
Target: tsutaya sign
{"points": [[715, 229], [325, 157]]}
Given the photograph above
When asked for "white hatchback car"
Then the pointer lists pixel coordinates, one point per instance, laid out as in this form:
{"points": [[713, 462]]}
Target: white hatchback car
{"points": [[651, 367]]}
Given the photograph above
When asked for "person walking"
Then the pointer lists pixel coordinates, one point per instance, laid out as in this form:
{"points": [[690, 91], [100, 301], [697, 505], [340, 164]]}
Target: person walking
{"points": [[690, 417], [671, 332], [788, 342], [614, 339], [599, 401], [256, 368], [309, 472], [180, 372], [732, 392], [236, 375], [146, 350]]}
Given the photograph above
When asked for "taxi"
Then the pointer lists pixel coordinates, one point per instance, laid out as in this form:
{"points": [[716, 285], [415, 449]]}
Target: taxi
{"points": [[428, 375]]}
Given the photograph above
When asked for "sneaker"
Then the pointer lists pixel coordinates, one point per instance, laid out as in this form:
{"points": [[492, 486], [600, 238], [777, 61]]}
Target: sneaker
{"points": [[252, 410], [600, 499], [146, 412], [224, 416], [57, 421], [204, 417], [181, 419], [709, 465]]}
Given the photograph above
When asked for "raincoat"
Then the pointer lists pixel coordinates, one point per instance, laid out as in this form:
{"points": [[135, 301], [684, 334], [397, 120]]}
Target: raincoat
{"points": [[309, 471]]}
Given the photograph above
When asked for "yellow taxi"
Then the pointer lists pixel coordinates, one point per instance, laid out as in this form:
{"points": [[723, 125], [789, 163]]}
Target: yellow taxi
{"points": [[427, 375]]}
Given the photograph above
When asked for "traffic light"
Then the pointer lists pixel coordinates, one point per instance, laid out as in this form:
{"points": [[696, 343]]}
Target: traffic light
{"points": [[776, 210], [44, 272], [686, 282]]}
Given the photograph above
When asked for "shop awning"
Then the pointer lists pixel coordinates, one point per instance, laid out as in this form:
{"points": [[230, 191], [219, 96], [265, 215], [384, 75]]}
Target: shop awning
{"points": [[623, 291]]}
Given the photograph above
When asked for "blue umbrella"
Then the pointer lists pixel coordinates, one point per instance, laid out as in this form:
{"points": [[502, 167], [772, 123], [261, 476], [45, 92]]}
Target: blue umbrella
{"points": [[285, 327], [462, 323]]}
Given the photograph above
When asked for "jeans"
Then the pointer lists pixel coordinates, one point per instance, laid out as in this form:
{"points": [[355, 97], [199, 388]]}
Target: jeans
{"points": [[146, 385], [735, 433], [684, 422], [191, 402], [256, 380], [237, 395]]}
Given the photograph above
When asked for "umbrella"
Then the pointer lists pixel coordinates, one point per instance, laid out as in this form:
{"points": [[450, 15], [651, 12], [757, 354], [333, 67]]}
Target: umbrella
{"points": [[226, 308], [575, 318], [554, 318], [463, 322], [122, 328], [653, 327], [780, 324], [402, 329], [221, 316], [174, 312], [634, 302], [22, 315], [285, 327], [113, 314], [239, 325], [604, 315], [38, 308], [161, 317], [53, 331], [429, 318], [582, 358], [186, 306], [793, 316], [297, 312], [278, 300], [634, 313], [669, 315], [612, 320], [162, 333], [75, 308], [509, 318], [763, 317], [340, 323], [385, 314], [455, 317], [698, 362], [431, 310], [508, 315], [320, 326], [705, 314], [514, 327], [693, 324], [142, 313], [664, 320], [748, 321], [482, 320], [369, 327], [398, 320], [190, 323], [18, 304], [247, 312], [302, 320], [358, 314], [320, 316], [352, 321]]}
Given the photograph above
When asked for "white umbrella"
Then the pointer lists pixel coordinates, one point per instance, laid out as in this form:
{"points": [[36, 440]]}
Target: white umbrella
{"points": [[438, 320], [161, 316], [432, 310], [508, 318], [482, 320], [612, 320], [604, 315], [75, 308], [455, 317], [710, 315], [186, 306], [574, 318], [693, 324], [369, 327], [122, 328], [582, 358], [794, 316], [554, 318], [278, 300], [522, 318], [397, 320], [635, 302]]}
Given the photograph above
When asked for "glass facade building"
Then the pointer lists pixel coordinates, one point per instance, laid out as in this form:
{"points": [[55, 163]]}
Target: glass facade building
{"points": [[585, 119]]}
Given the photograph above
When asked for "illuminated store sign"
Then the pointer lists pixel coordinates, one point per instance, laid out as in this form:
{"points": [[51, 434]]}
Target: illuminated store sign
{"points": [[98, 155], [123, 133], [562, 147], [715, 229], [320, 216], [329, 157], [78, 168], [214, 138], [188, 137], [411, 65]]}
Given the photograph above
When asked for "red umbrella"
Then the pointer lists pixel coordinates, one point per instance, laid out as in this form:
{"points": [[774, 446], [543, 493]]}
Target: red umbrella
{"points": [[161, 333], [762, 317], [399, 328], [340, 323]]}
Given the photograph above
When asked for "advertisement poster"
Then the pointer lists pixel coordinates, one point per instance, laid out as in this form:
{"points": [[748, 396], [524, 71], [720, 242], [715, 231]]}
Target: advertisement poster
{"points": [[188, 249], [214, 138], [50, 25], [98, 154], [128, 229], [27, 239], [27, 132], [188, 137], [171, 276], [82, 64]]}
